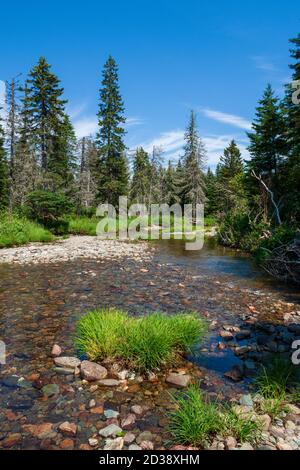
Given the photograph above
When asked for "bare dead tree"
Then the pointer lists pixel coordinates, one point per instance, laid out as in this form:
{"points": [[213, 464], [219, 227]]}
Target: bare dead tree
{"points": [[12, 125], [271, 194]]}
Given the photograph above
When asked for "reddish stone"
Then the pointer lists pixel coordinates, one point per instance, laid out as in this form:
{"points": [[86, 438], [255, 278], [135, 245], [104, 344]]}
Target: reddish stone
{"points": [[67, 444], [39, 430], [12, 440], [68, 429], [98, 410]]}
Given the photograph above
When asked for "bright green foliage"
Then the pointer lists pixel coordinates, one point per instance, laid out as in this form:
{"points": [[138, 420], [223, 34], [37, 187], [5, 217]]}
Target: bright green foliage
{"points": [[113, 172], [141, 180], [83, 225], [4, 174], [193, 183], [196, 420], [15, 230], [143, 343]]}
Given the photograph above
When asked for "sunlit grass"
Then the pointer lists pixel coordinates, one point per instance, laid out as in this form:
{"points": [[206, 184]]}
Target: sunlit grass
{"points": [[15, 230], [143, 343]]}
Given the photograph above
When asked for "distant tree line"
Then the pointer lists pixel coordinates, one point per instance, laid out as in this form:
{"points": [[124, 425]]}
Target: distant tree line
{"points": [[39, 153]]}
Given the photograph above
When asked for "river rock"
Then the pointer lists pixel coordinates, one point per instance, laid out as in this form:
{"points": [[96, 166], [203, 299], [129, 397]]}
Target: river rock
{"points": [[91, 371], [147, 445], [68, 429], [243, 334], [246, 400], [134, 447], [137, 409], [50, 390], [93, 442], [67, 362], [111, 414], [230, 442], [111, 430], [109, 382], [235, 374], [41, 431], [129, 438], [226, 335], [284, 446], [114, 444], [178, 379], [128, 422], [56, 350]]}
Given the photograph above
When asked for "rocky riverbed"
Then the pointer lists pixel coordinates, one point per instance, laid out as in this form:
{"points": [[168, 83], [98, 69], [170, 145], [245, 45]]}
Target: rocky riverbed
{"points": [[43, 407], [72, 248]]}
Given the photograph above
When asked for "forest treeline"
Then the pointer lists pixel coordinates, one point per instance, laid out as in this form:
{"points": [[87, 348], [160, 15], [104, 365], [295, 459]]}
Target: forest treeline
{"points": [[43, 165]]}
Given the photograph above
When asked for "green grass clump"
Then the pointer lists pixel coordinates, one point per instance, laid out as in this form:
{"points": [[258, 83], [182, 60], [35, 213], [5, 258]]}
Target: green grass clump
{"points": [[143, 343], [196, 421], [15, 230], [83, 226], [277, 384]]}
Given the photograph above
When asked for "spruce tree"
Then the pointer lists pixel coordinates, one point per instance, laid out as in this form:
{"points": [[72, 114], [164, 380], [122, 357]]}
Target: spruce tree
{"points": [[212, 194], [292, 182], [140, 185], [193, 188], [170, 189], [45, 108], [231, 163], [62, 158], [113, 171], [4, 173], [267, 141]]}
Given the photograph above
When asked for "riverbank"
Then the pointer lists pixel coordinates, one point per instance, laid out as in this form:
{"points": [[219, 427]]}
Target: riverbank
{"points": [[40, 305], [72, 248]]}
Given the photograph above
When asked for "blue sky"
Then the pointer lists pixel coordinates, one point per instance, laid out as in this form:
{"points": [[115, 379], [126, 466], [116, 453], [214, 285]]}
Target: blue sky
{"points": [[174, 55]]}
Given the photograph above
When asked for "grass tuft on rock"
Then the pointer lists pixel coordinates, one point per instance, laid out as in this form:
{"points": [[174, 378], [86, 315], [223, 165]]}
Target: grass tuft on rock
{"points": [[278, 384], [143, 343], [196, 421]]}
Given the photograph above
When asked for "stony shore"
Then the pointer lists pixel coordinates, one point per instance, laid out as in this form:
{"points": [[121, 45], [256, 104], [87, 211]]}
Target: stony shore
{"points": [[75, 247]]}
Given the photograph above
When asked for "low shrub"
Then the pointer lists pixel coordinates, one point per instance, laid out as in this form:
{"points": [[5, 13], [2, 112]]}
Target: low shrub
{"points": [[196, 420], [15, 230], [237, 231], [142, 343], [49, 209]]}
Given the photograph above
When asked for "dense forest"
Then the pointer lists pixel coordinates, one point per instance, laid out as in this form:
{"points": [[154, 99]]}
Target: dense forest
{"points": [[46, 173]]}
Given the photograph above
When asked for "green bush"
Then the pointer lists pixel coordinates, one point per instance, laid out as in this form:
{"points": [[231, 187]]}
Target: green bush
{"points": [[142, 343], [195, 421], [237, 231], [281, 235], [15, 230], [48, 209]]}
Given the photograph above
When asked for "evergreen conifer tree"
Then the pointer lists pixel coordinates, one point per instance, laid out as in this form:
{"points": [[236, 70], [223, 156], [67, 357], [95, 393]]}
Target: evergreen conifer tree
{"points": [[113, 170]]}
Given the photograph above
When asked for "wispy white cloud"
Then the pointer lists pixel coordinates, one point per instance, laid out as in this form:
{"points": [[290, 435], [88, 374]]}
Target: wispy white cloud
{"points": [[85, 126], [263, 63], [231, 119], [172, 144], [134, 121], [88, 125], [76, 111]]}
